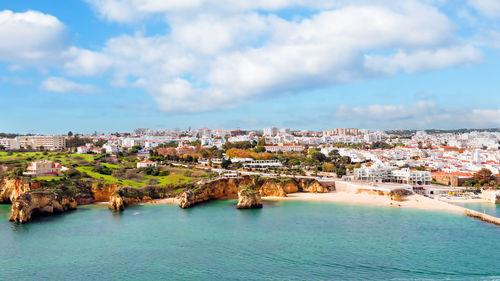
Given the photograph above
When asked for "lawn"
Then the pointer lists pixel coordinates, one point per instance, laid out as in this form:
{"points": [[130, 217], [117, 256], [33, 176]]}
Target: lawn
{"points": [[84, 163], [175, 177]]}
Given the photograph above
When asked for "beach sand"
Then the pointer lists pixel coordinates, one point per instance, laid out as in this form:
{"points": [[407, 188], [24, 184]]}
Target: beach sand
{"points": [[412, 201], [168, 201]]}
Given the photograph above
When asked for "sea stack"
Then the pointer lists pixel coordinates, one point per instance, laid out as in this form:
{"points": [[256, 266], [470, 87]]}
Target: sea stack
{"points": [[249, 199]]}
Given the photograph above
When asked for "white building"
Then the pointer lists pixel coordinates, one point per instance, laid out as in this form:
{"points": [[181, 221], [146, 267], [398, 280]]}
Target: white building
{"points": [[284, 148], [146, 164], [271, 132], [110, 149], [263, 164], [82, 150], [392, 174]]}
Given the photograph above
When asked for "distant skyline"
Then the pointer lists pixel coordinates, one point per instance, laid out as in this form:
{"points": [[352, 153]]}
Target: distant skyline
{"points": [[116, 65]]}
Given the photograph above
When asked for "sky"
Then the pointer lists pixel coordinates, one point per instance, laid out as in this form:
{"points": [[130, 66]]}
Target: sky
{"points": [[116, 65]]}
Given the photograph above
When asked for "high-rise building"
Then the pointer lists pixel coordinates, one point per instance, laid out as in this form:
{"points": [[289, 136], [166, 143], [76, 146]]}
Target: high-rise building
{"points": [[271, 132]]}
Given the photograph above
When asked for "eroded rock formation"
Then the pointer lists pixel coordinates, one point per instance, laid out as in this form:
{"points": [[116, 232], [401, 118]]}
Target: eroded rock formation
{"points": [[12, 188], [39, 202], [217, 189], [228, 188], [249, 199], [103, 192]]}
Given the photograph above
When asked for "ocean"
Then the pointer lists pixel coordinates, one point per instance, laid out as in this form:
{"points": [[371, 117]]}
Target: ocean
{"points": [[285, 240]]}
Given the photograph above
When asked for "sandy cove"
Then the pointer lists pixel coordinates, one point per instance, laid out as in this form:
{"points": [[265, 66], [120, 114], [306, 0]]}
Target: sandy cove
{"points": [[412, 201]]}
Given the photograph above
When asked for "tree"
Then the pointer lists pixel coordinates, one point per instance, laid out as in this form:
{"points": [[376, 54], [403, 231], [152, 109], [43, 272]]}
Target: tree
{"points": [[100, 142], [225, 163], [328, 167], [259, 149], [318, 156], [262, 142], [70, 134], [483, 176]]}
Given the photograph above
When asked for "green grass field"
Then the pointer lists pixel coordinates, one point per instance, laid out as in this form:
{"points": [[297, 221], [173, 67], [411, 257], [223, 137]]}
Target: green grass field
{"points": [[85, 163]]}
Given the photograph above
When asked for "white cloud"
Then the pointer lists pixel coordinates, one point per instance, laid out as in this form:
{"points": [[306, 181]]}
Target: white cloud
{"points": [[423, 114], [425, 59], [62, 85], [221, 54], [489, 8], [30, 37], [213, 60]]}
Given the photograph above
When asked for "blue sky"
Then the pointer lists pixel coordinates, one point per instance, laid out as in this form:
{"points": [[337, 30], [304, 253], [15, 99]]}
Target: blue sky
{"points": [[115, 65]]}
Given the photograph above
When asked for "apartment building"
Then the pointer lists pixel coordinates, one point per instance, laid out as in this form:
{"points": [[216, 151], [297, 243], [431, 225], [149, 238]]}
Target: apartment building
{"points": [[47, 142], [392, 174], [9, 144]]}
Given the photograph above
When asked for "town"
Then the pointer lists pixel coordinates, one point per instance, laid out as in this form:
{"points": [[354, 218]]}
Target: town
{"points": [[446, 163]]}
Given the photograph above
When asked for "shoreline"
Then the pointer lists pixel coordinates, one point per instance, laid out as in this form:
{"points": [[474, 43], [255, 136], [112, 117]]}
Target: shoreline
{"points": [[412, 201]]}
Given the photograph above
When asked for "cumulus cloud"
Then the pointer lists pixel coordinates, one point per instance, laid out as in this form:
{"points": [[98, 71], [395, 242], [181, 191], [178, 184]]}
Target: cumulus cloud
{"points": [[221, 54], [30, 36], [213, 60], [423, 114], [62, 85], [489, 8]]}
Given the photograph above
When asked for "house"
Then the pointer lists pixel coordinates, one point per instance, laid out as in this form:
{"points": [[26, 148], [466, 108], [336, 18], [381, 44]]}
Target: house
{"points": [[82, 150], [146, 164], [110, 149], [44, 168]]}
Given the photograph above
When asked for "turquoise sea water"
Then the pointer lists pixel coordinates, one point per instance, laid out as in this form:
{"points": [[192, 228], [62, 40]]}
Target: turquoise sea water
{"points": [[282, 241], [487, 208]]}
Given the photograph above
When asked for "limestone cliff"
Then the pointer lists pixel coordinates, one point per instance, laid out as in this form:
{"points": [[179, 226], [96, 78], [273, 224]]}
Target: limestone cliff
{"points": [[126, 196], [35, 202], [312, 186], [103, 192], [228, 188], [281, 187], [249, 199], [276, 188], [12, 188], [217, 189]]}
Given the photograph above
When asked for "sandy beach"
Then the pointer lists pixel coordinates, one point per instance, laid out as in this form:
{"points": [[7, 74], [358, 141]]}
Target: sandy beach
{"points": [[412, 201], [168, 201]]}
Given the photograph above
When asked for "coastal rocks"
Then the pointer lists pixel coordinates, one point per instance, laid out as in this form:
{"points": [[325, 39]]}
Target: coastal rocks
{"points": [[126, 196], [39, 202], [11, 189], [275, 188], [217, 189], [249, 199], [103, 192], [116, 203], [230, 188], [312, 186], [281, 187]]}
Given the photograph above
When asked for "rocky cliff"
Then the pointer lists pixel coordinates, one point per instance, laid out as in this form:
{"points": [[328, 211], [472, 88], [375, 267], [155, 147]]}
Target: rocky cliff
{"points": [[282, 186], [103, 192], [217, 189], [311, 186], [118, 203], [249, 199], [126, 196], [35, 202], [12, 188], [229, 188]]}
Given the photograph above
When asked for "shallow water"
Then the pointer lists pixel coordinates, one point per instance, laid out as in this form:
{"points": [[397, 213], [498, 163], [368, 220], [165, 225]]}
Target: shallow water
{"points": [[487, 208], [284, 240]]}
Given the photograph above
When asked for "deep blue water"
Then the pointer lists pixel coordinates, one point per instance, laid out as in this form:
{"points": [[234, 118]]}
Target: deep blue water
{"points": [[282, 241]]}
